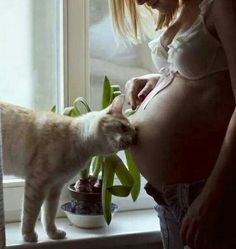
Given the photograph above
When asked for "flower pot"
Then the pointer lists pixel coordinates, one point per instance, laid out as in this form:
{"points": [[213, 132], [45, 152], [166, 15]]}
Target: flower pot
{"points": [[85, 196], [85, 209], [83, 217]]}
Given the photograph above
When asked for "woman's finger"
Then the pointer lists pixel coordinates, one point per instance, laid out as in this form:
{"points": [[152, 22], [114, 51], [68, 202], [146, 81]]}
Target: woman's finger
{"points": [[128, 97], [132, 89], [146, 90]]}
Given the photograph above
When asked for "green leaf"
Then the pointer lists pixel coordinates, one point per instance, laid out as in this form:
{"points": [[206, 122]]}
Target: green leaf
{"points": [[122, 172], [81, 105], [97, 165], [135, 174], [115, 88], [70, 111], [108, 178], [53, 109], [129, 112], [115, 94], [84, 173], [106, 96], [115, 91], [119, 190]]}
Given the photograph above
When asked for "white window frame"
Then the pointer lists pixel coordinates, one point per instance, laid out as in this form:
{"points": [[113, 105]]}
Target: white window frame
{"points": [[76, 56], [75, 78]]}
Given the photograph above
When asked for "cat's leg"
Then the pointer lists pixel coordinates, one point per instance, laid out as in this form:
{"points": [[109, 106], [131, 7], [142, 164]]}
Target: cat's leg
{"points": [[49, 213], [33, 199]]}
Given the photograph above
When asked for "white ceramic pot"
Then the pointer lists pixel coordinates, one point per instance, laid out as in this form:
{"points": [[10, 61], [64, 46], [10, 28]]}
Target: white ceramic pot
{"points": [[85, 220]]}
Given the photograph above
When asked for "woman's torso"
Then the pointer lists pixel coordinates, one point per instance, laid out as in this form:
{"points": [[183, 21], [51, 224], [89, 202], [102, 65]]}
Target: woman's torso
{"points": [[181, 129]]}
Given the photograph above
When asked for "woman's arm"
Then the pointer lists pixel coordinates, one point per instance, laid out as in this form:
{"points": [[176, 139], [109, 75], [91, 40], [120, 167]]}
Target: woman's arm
{"points": [[201, 219], [224, 173]]}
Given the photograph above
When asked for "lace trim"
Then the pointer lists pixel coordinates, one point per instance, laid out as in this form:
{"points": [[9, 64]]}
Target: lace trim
{"points": [[180, 39]]}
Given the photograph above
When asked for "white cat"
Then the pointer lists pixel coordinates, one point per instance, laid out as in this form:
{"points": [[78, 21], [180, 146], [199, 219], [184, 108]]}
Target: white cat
{"points": [[48, 149]]}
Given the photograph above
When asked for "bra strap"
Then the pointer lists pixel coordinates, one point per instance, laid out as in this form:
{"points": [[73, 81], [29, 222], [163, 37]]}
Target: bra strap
{"points": [[204, 5]]}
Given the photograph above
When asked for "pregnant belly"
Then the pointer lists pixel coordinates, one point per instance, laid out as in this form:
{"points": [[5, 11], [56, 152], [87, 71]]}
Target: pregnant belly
{"points": [[180, 133]]}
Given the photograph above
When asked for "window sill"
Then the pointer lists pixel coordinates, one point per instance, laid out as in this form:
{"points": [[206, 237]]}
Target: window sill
{"points": [[130, 229]]}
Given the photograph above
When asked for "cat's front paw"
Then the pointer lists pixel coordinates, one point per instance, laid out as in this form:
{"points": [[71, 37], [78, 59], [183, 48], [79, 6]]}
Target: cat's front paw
{"points": [[30, 237], [57, 234]]}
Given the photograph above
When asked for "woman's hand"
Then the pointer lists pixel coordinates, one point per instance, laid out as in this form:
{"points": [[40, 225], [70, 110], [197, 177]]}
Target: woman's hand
{"points": [[200, 222], [138, 88]]}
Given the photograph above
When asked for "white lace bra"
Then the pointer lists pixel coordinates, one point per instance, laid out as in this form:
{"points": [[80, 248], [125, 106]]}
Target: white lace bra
{"points": [[194, 53]]}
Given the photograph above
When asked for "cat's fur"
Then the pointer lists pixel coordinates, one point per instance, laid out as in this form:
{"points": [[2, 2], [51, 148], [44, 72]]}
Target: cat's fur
{"points": [[47, 150]]}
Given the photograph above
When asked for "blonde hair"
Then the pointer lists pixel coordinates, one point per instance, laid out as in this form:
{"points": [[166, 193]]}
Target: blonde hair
{"points": [[127, 15]]}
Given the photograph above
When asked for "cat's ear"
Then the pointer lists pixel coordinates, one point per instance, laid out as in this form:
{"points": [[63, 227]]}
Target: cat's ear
{"points": [[116, 105]]}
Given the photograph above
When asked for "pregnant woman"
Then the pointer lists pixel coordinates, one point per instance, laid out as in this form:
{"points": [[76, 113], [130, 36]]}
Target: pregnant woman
{"points": [[185, 117]]}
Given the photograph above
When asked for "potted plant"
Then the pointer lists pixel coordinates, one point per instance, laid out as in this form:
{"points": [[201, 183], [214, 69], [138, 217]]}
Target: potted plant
{"points": [[95, 186]]}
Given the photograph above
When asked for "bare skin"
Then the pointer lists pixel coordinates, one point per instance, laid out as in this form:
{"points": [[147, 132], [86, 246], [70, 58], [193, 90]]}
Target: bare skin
{"points": [[188, 131], [190, 121]]}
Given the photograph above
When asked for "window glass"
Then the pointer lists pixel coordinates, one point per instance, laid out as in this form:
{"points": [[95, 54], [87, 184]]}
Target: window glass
{"points": [[29, 48], [30, 52], [118, 61]]}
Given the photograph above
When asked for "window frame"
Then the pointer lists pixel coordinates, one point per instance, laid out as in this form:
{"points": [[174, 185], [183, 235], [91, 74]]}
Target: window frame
{"points": [[76, 56], [74, 81]]}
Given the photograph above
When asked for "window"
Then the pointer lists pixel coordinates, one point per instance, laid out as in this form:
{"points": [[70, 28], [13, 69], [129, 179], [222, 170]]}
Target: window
{"points": [[30, 66], [29, 47], [47, 59], [119, 61]]}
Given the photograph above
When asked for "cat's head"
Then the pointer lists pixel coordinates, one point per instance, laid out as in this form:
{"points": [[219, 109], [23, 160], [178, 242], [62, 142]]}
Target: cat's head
{"points": [[114, 128]]}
